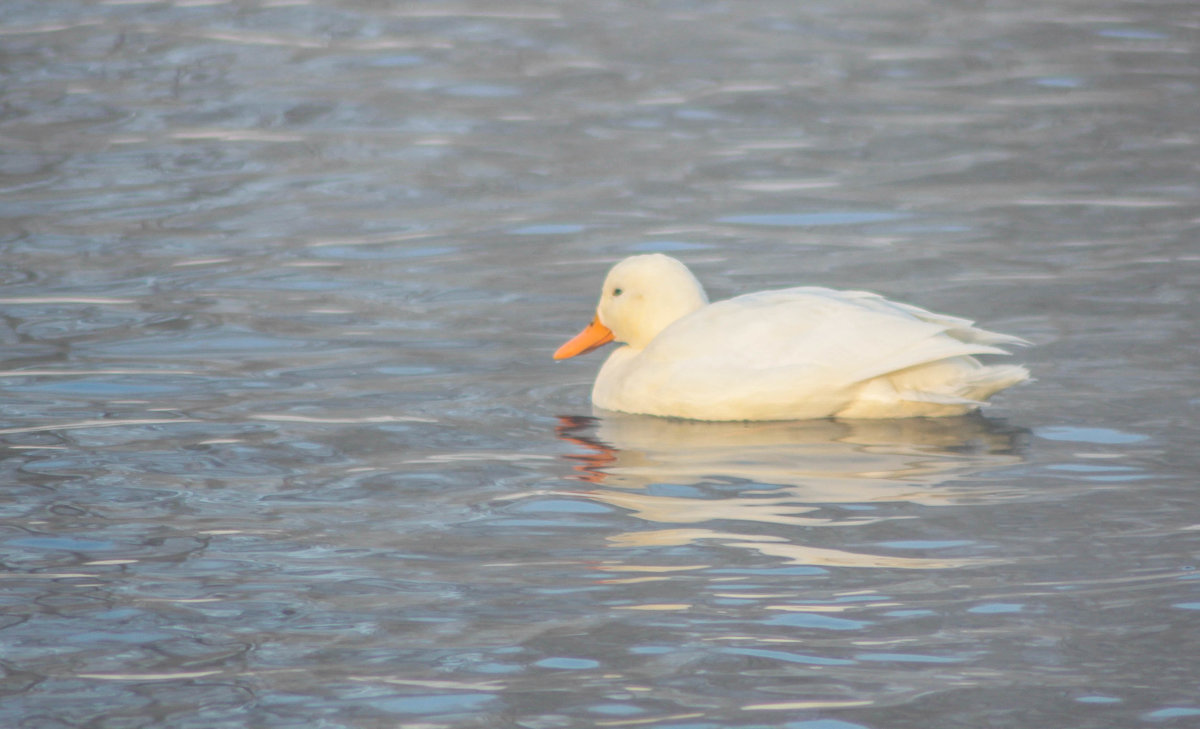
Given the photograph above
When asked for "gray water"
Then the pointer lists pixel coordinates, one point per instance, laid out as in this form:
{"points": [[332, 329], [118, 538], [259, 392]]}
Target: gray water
{"points": [[283, 444]]}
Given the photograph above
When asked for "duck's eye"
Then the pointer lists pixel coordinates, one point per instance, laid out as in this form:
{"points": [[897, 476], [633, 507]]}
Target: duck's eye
{"points": [[617, 292]]}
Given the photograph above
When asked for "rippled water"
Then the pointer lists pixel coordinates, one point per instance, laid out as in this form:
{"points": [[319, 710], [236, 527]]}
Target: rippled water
{"points": [[284, 446]]}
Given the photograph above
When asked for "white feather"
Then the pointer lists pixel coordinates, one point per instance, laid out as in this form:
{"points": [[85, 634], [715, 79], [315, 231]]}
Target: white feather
{"points": [[796, 353]]}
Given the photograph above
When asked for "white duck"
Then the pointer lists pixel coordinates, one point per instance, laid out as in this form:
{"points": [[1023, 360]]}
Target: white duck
{"points": [[790, 354]]}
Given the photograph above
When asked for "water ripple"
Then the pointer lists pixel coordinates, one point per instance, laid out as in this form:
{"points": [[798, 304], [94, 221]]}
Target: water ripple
{"points": [[282, 441]]}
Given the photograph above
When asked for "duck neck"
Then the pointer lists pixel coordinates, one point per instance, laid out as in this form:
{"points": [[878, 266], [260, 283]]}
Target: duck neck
{"points": [[663, 314]]}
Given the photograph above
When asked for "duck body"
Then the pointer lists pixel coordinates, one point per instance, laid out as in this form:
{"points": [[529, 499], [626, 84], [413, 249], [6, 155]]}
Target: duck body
{"points": [[789, 354]]}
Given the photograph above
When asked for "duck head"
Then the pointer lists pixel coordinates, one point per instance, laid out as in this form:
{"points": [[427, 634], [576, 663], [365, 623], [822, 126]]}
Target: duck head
{"points": [[642, 295]]}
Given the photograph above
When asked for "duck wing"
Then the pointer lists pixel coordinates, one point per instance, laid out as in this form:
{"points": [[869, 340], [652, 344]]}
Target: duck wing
{"points": [[851, 335]]}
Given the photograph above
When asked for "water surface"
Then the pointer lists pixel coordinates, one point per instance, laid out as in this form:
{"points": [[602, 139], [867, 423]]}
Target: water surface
{"points": [[283, 445]]}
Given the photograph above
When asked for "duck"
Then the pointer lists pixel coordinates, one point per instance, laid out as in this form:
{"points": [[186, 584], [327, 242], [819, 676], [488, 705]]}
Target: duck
{"points": [[799, 353]]}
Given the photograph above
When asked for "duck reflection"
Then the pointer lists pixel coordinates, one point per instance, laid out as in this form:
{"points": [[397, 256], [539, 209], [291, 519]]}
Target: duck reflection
{"points": [[799, 473], [825, 461]]}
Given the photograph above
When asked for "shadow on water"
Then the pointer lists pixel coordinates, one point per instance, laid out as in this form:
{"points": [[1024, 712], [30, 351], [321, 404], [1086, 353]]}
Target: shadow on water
{"points": [[840, 459], [756, 480]]}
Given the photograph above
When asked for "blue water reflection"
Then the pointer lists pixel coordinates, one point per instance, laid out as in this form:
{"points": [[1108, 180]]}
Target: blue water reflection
{"points": [[281, 438]]}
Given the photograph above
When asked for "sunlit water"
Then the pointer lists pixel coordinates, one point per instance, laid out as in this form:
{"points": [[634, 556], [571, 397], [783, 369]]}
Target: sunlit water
{"points": [[283, 445]]}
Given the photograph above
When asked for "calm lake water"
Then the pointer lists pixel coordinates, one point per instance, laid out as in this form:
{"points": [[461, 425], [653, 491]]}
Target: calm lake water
{"points": [[283, 444]]}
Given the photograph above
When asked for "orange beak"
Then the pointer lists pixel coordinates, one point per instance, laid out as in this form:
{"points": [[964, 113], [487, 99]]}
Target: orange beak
{"points": [[593, 335]]}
